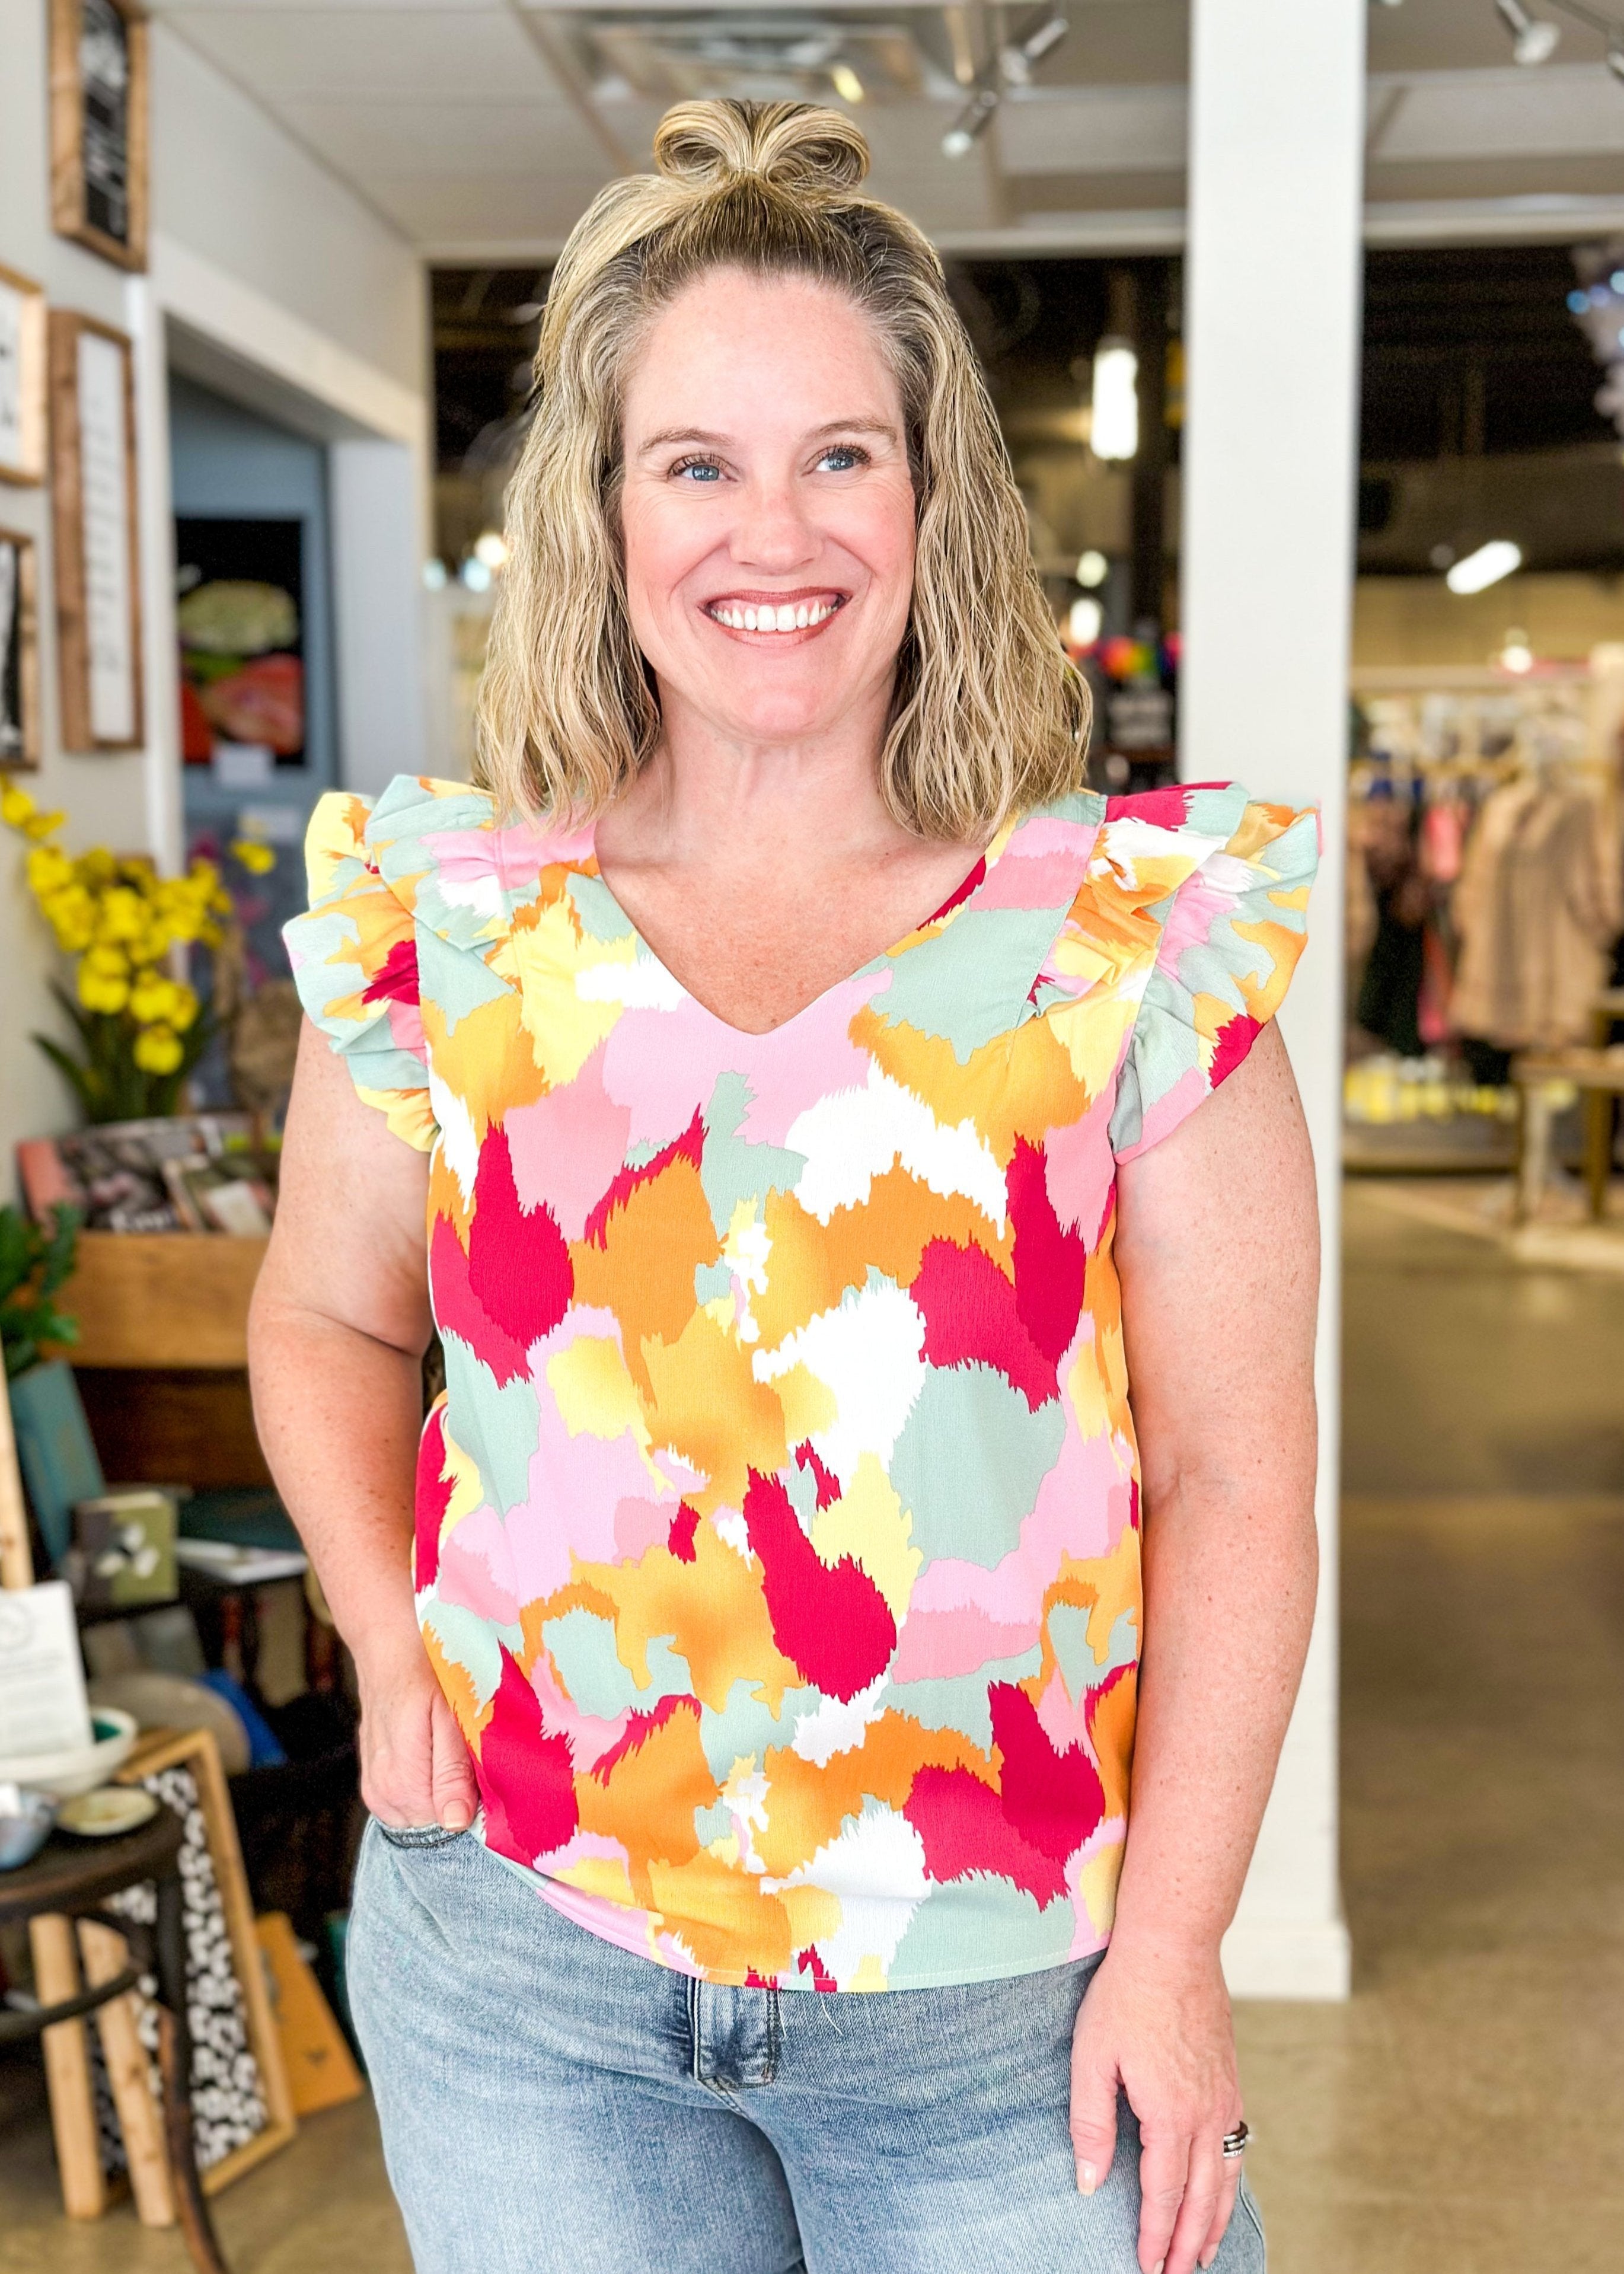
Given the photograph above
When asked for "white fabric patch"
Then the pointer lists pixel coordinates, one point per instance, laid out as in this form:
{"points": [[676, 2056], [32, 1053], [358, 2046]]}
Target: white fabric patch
{"points": [[854, 1135], [870, 1350]]}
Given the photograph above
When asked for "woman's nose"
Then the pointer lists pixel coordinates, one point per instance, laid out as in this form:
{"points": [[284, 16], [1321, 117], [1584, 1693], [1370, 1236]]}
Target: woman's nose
{"points": [[772, 530]]}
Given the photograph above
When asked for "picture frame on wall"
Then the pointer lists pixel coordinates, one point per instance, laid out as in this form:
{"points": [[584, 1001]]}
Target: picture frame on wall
{"points": [[92, 466], [99, 127], [20, 652], [22, 378]]}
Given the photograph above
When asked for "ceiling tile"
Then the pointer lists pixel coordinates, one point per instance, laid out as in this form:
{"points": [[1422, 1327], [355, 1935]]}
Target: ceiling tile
{"points": [[446, 138], [442, 211], [282, 53], [1094, 130]]}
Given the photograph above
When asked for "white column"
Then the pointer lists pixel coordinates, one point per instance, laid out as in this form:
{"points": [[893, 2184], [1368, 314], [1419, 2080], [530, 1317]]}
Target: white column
{"points": [[373, 490], [1272, 338]]}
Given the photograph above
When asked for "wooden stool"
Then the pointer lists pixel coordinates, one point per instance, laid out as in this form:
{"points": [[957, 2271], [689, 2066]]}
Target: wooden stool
{"points": [[1598, 1075], [68, 1881]]}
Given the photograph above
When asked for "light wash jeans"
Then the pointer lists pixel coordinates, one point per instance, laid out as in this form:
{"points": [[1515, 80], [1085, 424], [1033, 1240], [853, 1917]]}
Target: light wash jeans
{"points": [[552, 2104]]}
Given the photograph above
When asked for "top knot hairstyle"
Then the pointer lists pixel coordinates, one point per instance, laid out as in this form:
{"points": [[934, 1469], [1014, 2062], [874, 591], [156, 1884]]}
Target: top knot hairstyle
{"points": [[988, 717]]}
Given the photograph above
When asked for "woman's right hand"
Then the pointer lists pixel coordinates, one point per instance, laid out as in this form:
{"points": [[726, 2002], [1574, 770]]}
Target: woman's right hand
{"points": [[415, 1766]]}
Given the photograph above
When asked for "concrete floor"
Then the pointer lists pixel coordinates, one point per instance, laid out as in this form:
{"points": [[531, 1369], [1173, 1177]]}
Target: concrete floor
{"points": [[1462, 2114]]}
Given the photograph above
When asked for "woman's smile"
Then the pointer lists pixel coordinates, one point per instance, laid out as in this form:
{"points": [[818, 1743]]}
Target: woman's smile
{"points": [[779, 615]]}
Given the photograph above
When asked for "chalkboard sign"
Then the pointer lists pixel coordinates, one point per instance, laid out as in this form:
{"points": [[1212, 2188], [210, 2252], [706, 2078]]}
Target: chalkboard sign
{"points": [[99, 122]]}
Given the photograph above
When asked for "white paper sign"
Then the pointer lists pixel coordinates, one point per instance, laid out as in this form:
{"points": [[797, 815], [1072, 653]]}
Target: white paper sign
{"points": [[42, 1705], [104, 472]]}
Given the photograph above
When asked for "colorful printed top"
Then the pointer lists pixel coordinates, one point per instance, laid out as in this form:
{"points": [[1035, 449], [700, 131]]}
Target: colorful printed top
{"points": [[778, 1532]]}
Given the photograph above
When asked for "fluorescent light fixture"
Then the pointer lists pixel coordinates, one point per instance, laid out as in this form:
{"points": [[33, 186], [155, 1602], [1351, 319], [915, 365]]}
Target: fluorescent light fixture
{"points": [[1485, 567], [475, 576], [1532, 39], [491, 548], [1092, 569], [847, 85], [1516, 655], [1116, 430], [1084, 622]]}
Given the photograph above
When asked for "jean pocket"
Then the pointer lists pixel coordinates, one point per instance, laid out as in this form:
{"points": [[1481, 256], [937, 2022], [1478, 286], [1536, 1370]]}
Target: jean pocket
{"points": [[418, 1835], [1246, 2202]]}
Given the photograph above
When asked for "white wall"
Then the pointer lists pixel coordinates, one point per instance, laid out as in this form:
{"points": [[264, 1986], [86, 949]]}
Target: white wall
{"points": [[272, 280], [112, 789], [229, 184], [1272, 341]]}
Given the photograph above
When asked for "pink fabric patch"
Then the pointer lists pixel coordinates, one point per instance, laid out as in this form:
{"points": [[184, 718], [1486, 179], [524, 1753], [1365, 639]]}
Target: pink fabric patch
{"points": [[397, 978], [971, 1317], [432, 1499], [830, 1621], [567, 1147], [526, 1777], [962, 1828]]}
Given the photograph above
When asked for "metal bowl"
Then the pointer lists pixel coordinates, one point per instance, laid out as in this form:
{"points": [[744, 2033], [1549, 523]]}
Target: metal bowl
{"points": [[26, 1820]]}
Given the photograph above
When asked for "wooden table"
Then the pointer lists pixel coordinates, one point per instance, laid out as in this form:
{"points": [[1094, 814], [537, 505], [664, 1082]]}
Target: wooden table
{"points": [[1598, 1075], [69, 1881]]}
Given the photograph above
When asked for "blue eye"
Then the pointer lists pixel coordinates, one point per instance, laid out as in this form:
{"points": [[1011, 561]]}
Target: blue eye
{"points": [[699, 470], [843, 456]]}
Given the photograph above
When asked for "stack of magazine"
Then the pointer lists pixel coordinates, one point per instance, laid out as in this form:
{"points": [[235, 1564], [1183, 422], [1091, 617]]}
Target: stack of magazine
{"points": [[188, 1172]]}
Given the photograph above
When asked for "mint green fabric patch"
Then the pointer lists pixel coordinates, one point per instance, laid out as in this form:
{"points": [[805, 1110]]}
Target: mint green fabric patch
{"points": [[970, 1460]]}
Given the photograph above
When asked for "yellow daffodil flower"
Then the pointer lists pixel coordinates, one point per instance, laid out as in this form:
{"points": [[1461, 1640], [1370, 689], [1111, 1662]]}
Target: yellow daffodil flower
{"points": [[158, 1050], [258, 858]]}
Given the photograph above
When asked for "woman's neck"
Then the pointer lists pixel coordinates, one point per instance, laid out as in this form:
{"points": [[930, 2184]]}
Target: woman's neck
{"points": [[702, 792]]}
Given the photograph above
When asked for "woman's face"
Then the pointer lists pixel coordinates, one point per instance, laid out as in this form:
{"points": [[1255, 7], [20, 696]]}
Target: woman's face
{"points": [[768, 509]]}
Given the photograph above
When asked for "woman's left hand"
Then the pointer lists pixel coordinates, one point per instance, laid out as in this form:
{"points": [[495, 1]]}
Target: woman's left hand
{"points": [[1160, 2032]]}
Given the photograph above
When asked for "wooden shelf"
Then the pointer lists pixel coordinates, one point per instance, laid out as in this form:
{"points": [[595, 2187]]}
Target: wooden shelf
{"points": [[162, 1298]]}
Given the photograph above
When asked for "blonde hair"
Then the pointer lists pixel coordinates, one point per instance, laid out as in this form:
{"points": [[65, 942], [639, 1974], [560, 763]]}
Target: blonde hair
{"points": [[986, 716]]}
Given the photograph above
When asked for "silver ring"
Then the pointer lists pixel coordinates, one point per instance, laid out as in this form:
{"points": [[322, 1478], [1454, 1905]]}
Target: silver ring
{"points": [[1236, 2142]]}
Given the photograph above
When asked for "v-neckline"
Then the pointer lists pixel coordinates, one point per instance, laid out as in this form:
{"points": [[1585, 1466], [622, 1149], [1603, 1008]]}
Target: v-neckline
{"points": [[962, 897]]}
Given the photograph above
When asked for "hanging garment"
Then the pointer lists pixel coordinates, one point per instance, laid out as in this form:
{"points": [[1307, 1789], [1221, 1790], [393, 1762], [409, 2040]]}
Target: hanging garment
{"points": [[1538, 908]]}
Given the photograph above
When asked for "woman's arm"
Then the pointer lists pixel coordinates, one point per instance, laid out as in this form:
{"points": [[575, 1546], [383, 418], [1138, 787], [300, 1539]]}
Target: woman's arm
{"points": [[336, 1336], [1218, 1248]]}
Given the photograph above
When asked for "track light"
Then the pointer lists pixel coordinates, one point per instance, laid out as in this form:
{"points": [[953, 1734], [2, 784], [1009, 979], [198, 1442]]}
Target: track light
{"points": [[1019, 63], [1533, 40], [971, 124], [1014, 65]]}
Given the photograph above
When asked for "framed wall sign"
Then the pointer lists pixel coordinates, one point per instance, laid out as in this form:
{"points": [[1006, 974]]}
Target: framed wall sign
{"points": [[20, 652], [99, 126], [22, 378], [94, 505]]}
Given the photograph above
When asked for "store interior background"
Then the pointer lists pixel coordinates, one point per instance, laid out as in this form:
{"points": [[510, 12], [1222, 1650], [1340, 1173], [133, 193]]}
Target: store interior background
{"points": [[1341, 394]]}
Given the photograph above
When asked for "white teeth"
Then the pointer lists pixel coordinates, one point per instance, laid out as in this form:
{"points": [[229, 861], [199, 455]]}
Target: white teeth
{"points": [[792, 616]]}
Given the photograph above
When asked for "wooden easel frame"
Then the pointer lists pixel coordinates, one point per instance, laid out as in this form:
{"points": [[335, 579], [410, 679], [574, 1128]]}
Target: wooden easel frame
{"points": [[67, 327], [57, 1953], [197, 1751], [67, 134]]}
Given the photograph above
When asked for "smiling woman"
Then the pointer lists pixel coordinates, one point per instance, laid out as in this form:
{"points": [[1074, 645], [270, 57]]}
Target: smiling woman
{"points": [[806, 1092]]}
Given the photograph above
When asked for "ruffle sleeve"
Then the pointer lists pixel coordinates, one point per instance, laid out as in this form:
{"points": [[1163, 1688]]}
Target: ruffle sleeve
{"points": [[355, 963], [1231, 931]]}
